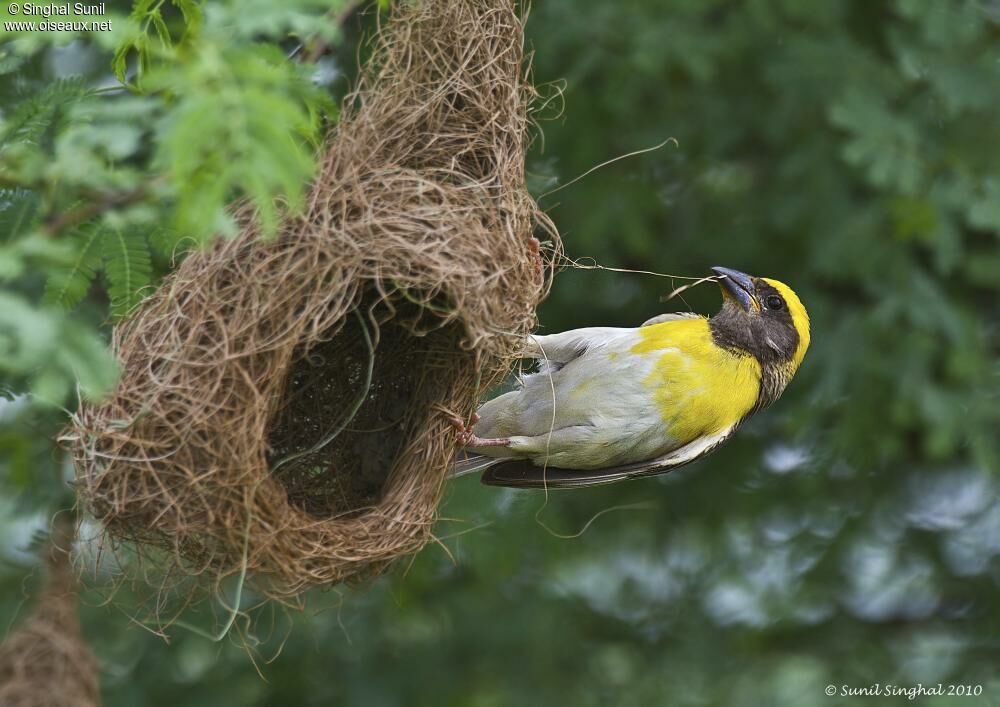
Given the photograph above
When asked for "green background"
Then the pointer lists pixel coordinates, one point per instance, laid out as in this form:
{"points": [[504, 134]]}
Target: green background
{"points": [[849, 536]]}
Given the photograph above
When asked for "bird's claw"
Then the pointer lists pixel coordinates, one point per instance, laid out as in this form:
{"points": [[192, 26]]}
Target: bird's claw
{"points": [[465, 433], [468, 438], [535, 248]]}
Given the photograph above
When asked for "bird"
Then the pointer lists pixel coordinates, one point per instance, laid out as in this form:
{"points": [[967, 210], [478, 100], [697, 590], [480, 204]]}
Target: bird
{"points": [[607, 403]]}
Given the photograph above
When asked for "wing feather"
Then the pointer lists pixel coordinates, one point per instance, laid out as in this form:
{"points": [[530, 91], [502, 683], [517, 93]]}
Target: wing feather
{"points": [[521, 473]]}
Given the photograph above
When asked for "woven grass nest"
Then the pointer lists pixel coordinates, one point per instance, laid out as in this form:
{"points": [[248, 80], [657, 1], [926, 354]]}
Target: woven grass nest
{"points": [[282, 406], [44, 662]]}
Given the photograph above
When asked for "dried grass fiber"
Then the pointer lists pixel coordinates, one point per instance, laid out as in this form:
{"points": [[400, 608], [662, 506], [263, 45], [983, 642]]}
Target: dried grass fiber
{"points": [[253, 428]]}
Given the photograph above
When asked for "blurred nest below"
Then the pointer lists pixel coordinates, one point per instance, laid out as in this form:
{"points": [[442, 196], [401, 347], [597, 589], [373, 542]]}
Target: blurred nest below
{"points": [[45, 662]]}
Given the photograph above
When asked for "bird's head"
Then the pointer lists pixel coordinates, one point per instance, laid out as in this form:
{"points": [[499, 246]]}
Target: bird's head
{"points": [[766, 319]]}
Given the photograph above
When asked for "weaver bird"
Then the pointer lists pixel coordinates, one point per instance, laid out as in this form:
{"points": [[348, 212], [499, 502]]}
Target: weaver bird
{"points": [[613, 403]]}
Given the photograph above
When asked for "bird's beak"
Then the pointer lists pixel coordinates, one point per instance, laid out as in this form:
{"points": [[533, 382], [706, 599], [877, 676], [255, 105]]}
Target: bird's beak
{"points": [[737, 285]]}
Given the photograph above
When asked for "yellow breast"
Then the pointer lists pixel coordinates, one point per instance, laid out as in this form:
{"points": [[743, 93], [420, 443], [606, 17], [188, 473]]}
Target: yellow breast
{"points": [[699, 388]]}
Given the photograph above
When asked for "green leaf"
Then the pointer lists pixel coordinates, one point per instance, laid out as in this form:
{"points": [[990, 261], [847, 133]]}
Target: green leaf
{"points": [[127, 266], [16, 450], [984, 211], [18, 213], [191, 11], [86, 357], [240, 127], [883, 144], [51, 353], [119, 62], [32, 117], [68, 286], [166, 241], [10, 62]]}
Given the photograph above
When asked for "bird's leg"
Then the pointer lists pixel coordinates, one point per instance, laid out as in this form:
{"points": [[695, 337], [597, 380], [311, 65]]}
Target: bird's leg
{"points": [[535, 248], [467, 438]]}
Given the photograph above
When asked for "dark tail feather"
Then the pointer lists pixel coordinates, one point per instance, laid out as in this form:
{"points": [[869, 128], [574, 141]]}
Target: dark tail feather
{"points": [[470, 465]]}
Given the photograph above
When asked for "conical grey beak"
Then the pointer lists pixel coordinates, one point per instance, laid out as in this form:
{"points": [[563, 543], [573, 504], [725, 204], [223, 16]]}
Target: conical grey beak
{"points": [[736, 284]]}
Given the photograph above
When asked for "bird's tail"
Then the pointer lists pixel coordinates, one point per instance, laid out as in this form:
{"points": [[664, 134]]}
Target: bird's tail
{"points": [[470, 465]]}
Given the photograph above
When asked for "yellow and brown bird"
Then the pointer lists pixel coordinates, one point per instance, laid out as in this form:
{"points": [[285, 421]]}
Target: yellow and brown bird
{"points": [[614, 403]]}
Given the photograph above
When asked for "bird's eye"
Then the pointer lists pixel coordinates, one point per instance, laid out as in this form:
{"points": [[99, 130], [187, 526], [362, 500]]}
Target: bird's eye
{"points": [[774, 302]]}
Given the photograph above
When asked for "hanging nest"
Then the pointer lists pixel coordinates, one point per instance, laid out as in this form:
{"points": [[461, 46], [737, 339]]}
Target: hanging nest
{"points": [[283, 403], [44, 662]]}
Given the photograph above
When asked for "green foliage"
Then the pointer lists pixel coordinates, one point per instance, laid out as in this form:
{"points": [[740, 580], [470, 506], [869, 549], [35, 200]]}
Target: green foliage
{"points": [[123, 254], [242, 120], [148, 16], [104, 187], [128, 267], [240, 125], [18, 212], [48, 355], [68, 286], [884, 146], [33, 117], [101, 188]]}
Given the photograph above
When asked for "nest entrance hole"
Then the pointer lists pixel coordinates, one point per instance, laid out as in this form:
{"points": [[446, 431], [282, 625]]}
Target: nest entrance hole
{"points": [[353, 402]]}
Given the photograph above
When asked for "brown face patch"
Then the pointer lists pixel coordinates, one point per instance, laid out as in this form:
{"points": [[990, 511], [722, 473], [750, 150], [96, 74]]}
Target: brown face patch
{"points": [[774, 332], [766, 333]]}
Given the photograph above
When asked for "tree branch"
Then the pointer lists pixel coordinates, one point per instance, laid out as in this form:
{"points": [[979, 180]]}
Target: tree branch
{"points": [[101, 204]]}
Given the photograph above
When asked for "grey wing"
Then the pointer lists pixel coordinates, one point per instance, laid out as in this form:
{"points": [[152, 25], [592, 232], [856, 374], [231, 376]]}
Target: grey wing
{"points": [[530, 410], [521, 473], [560, 349]]}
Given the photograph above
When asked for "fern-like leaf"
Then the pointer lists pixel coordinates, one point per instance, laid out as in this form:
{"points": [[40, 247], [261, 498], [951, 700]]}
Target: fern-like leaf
{"points": [[168, 242], [32, 117], [18, 213], [128, 267], [67, 287], [10, 62]]}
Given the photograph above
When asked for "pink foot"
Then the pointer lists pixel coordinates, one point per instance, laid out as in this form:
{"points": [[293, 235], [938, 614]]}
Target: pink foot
{"points": [[467, 438], [535, 248]]}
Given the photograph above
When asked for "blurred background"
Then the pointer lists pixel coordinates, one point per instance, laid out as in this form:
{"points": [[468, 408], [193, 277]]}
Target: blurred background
{"points": [[848, 536]]}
